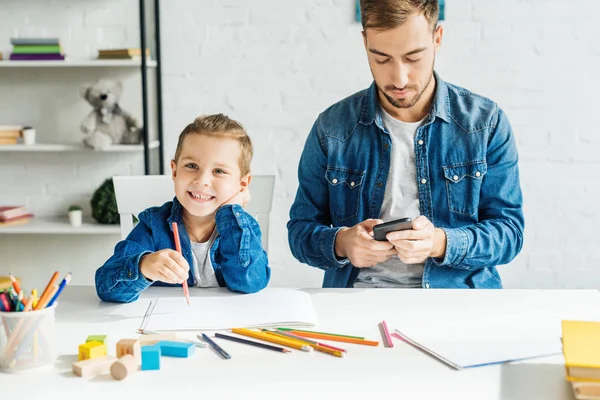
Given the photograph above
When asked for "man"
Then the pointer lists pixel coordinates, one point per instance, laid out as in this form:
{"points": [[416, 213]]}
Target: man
{"points": [[415, 146]]}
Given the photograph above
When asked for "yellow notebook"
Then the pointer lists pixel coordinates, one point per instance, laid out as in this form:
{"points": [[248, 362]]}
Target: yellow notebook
{"points": [[581, 349]]}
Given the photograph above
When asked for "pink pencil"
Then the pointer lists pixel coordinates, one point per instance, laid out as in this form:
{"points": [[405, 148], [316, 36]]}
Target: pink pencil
{"points": [[387, 339], [186, 291]]}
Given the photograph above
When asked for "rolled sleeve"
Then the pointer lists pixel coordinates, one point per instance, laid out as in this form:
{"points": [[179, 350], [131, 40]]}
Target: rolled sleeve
{"points": [[328, 247], [457, 242]]}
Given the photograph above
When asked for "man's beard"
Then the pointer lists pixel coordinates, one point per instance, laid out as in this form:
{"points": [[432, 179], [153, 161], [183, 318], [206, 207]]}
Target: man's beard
{"points": [[409, 102]]}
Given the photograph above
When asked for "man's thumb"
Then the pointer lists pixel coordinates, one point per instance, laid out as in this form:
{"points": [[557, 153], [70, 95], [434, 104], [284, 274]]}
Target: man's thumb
{"points": [[368, 224]]}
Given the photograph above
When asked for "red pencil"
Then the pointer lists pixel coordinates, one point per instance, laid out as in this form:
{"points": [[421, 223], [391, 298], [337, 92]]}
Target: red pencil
{"points": [[186, 290]]}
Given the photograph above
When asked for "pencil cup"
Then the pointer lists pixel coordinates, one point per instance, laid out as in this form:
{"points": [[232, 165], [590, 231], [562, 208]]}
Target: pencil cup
{"points": [[27, 340]]}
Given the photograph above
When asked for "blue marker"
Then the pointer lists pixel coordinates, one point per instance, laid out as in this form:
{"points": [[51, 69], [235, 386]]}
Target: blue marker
{"points": [[64, 282]]}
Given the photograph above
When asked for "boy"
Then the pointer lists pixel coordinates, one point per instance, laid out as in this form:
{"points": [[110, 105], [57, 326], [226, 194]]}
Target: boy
{"points": [[222, 243]]}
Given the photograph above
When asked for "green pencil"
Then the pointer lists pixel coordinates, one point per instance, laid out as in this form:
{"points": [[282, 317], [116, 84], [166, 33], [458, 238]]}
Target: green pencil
{"points": [[322, 333]]}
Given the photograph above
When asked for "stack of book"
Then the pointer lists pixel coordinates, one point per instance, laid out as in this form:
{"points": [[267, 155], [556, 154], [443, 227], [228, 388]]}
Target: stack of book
{"points": [[36, 49], [14, 215], [581, 350], [9, 134], [121, 54]]}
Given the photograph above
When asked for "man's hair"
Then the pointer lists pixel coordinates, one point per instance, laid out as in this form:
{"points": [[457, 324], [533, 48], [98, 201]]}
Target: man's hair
{"points": [[390, 14], [220, 126]]}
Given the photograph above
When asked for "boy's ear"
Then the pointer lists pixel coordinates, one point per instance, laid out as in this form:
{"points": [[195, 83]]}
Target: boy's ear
{"points": [[245, 181], [173, 169]]}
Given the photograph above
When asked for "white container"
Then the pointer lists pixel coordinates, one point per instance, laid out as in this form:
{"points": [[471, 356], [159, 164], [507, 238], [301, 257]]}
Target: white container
{"points": [[28, 136], [27, 340], [75, 218]]}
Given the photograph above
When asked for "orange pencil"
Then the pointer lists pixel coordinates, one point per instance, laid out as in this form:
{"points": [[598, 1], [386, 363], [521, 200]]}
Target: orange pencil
{"points": [[15, 283], [186, 290], [335, 338], [41, 304]]}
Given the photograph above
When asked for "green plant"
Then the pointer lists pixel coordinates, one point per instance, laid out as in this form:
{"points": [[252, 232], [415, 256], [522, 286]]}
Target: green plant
{"points": [[74, 207], [104, 204]]}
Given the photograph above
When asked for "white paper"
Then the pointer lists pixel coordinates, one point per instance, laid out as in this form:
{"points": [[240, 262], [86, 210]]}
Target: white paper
{"points": [[488, 340], [270, 307]]}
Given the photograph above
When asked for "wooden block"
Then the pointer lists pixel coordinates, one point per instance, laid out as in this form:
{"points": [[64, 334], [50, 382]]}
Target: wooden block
{"points": [[153, 339], [90, 350], [151, 357], [96, 338], [93, 367], [130, 346], [176, 349], [124, 367]]}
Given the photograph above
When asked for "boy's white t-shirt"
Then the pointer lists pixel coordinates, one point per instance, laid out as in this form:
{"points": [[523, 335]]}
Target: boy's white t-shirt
{"points": [[203, 269]]}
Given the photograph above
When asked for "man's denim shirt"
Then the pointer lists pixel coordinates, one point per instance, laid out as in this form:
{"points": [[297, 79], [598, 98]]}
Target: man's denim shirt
{"points": [[237, 256], [467, 178]]}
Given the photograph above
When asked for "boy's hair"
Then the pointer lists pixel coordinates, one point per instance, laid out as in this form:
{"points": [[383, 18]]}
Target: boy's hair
{"points": [[390, 14], [220, 126]]}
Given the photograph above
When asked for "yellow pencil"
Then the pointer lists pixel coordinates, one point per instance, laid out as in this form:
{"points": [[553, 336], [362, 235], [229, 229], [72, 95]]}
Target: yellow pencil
{"points": [[272, 338], [34, 295], [312, 344]]}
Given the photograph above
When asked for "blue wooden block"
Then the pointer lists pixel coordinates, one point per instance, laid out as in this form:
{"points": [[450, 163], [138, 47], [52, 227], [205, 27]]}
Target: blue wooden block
{"points": [[176, 349], [151, 357]]}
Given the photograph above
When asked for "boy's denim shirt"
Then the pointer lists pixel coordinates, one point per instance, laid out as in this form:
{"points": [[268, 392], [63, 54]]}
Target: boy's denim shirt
{"points": [[237, 256], [467, 178]]}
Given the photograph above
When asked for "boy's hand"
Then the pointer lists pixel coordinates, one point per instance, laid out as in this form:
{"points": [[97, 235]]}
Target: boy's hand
{"points": [[242, 197], [165, 265]]}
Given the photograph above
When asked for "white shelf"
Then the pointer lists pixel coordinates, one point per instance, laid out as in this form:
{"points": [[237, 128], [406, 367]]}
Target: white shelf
{"points": [[74, 147], [75, 63], [54, 226]]}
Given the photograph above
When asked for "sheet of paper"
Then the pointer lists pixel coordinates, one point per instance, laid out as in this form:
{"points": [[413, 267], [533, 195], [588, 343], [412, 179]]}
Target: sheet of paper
{"points": [[270, 307], [486, 340]]}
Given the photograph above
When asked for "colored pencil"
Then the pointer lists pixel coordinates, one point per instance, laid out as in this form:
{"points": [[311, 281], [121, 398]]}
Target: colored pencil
{"points": [[186, 290], [314, 345], [336, 338], [272, 338], [45, 297], [321, 333], [64, 283], [251, 343], [216, 347], [15, 283], [292, 336], [387, 339]]}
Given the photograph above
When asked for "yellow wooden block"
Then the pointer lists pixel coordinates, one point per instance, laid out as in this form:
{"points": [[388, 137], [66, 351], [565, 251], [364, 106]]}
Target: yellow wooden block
{"points": [[90, 350]]}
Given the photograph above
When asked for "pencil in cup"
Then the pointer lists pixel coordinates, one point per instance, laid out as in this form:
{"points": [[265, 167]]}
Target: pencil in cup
{"points": [[252, 343], [272, 338], [186, 290], [19, 350], [315, 345]]}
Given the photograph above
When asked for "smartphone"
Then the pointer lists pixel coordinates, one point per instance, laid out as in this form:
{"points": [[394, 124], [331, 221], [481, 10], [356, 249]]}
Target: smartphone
{"points": [[379, 231]]}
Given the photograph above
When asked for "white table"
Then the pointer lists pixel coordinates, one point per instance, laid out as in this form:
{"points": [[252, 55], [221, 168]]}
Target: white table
{"points": [[401, 372]]}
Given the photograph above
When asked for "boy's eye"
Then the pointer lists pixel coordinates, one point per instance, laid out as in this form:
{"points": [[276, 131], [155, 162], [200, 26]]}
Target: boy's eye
{"points": [[219, 171], [382, 61], [191, 165]]}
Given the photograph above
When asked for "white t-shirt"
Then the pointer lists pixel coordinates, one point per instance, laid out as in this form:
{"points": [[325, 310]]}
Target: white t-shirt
{"points": [[203, 269], [401, 199]]}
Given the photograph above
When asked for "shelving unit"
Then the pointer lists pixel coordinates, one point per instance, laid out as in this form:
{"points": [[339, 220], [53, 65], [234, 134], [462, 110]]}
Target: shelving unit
{"points": [[60, 226], [52, 147], [77, 64]]}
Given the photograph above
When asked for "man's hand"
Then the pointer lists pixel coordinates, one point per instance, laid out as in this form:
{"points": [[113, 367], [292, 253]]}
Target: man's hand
{"points": [[419, 243], [357, 245], [242, 197], [165, 265]]}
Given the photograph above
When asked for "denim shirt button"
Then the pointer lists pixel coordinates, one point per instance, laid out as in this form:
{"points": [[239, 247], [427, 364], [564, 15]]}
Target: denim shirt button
{"points": [[129, 274], [420, 142], [478, 174], [379, 184], [423, 181], [386, 146], [455, 177], [334, 181], [352, 184]]}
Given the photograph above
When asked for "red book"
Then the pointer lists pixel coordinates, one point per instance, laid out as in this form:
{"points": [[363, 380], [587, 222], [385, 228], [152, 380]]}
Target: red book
{"points": [[9, 212], [16, 221]]}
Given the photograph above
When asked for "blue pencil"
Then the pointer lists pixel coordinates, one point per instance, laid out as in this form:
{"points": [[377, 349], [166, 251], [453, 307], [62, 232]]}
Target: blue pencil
{"points": [[216, 347], [64, 283]]}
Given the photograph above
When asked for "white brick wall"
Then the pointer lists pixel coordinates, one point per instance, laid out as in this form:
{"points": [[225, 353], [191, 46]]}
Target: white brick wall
{"points": [[274, 65]]}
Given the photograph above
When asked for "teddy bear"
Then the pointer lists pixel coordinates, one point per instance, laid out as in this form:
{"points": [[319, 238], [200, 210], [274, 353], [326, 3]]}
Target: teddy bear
{"points": [[108, 123]]}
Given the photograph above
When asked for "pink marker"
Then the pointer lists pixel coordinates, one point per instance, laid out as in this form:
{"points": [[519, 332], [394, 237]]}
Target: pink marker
{"points": [[387, 339]]}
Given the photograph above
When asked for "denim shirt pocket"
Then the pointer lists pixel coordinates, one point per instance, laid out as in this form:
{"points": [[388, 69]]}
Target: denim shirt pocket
{"points": [[463, 186], [344, 191]]}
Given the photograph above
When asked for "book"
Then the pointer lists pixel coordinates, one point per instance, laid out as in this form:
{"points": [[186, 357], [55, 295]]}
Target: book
{"points": [[34, 41], [586, 390], [16, 221], [8, 212], [127, 52], [37, 49], [36, 57], [11, 128], [8, 140], [10, 134], [581, 350]]}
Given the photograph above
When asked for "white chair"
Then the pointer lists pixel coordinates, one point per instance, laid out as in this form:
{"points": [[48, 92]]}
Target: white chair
{"points": [[136, 193]]}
